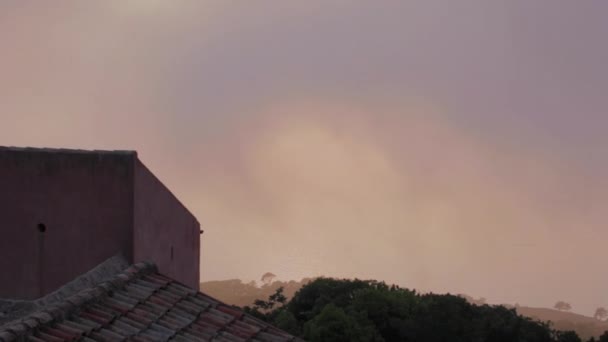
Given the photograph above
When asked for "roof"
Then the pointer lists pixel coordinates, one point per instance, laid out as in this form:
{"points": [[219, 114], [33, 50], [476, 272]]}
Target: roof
{"points": [[139, 304], [11, 309], [65, 150]]}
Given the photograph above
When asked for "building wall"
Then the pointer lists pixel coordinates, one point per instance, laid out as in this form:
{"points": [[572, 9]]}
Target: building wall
{"points": [[83, 199], [164, 230]]}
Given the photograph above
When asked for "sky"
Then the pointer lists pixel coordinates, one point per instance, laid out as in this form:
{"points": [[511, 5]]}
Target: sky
{"points": [[444, 146]]}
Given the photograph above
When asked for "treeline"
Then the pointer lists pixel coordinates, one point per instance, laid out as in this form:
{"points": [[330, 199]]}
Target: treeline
{"points": [[329, 309]]}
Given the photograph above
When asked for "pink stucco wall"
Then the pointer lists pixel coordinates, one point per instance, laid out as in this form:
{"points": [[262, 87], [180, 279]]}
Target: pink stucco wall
{"points": [[164, 230], [84, 201]]}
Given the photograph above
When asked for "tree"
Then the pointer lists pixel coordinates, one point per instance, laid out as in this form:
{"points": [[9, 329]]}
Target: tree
{"points": [[286, 321], [273, 299], [269, 311], [562, 306], [312, 298], [328, 309], [600, 313], [480, 301], [333, 324], [603, 337], [567, 336], [278, 296], [267, 278]]}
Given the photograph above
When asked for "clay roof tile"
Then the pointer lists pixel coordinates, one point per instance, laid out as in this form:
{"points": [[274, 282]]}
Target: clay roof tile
{"points": [[140, 304]]}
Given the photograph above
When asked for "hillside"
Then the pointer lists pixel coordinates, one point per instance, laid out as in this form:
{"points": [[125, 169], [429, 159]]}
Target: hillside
{"points": [[584, 326], [235, 292]]}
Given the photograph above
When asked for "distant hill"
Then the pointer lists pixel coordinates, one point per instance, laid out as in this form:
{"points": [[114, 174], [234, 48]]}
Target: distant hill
{"points": [[584, 326], [236, 292]]}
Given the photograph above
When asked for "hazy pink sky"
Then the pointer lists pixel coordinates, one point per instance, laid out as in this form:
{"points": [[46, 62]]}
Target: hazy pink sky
{"points": [[441, 145]]}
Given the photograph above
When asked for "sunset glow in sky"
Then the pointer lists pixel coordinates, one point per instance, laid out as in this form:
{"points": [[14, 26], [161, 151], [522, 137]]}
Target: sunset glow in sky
{"points": [[452, 146]]}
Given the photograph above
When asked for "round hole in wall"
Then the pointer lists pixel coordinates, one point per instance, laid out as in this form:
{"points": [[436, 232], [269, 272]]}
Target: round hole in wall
{"points": [[41, 227]]}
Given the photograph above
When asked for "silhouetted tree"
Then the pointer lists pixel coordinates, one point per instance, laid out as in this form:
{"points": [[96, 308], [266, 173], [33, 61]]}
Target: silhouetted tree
{"points": [[562, 306], [267, 278], [600, 313], [603, 337], [329, 309], [480, 301], [567, 336], [333, 324], [286, 321], [278, 296], [273, 299]]}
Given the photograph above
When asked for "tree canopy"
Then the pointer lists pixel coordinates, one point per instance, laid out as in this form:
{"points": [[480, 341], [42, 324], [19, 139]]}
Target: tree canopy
{"points": [[600, 313], [328, 309], [562, 306]]}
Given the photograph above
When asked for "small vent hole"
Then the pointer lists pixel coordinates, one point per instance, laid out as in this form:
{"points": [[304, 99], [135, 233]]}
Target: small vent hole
{"points": [[41, 227]]}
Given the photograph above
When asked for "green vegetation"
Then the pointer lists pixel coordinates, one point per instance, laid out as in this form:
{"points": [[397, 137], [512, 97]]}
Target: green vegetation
{"points": [[329, 309]]}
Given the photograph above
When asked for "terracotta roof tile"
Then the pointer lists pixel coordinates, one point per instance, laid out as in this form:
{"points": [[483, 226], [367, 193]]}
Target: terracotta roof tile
{"points": [[140, 305], [35, 339], [46, 337]]}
